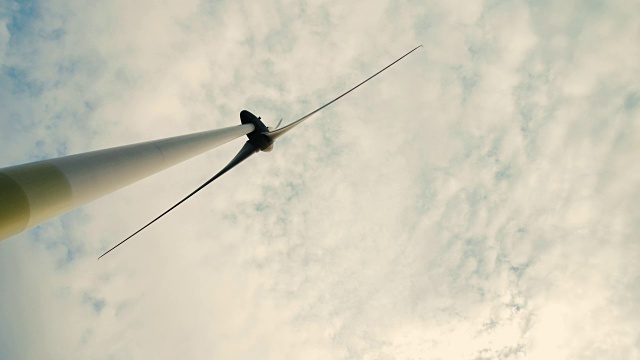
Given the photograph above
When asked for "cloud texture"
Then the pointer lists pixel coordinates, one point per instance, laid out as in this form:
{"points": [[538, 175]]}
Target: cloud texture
{"points": [[477, 201]]}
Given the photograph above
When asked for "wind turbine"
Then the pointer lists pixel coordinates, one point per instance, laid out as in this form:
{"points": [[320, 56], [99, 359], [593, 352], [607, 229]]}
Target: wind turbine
{"points": [[33, 193]]}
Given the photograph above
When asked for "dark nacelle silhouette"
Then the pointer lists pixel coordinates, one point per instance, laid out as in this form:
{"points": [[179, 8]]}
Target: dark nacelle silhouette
{"points": [[257, 137]]}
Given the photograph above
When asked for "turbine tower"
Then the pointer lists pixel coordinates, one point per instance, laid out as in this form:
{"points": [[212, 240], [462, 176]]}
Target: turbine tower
{"points": [[33, 193]]}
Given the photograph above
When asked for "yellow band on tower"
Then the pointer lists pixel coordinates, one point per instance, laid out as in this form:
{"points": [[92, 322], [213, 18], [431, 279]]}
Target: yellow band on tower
{"points": [[14, 207], [34, 193]]}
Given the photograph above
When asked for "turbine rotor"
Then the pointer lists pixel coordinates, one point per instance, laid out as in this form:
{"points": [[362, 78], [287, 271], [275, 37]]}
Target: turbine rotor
{"points": [[261, 138]]}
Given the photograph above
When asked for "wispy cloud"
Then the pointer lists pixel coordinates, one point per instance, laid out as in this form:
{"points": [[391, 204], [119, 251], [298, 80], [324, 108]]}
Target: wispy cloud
{"points": [[477, 201]]}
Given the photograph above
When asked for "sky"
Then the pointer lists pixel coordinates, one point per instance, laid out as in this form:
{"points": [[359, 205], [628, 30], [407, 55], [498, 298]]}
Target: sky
{"points": [[479, 200]]}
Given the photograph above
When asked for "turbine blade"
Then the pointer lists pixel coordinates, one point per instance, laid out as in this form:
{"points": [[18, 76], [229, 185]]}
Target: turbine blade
{"points": [[247, 150], [279, 132]]}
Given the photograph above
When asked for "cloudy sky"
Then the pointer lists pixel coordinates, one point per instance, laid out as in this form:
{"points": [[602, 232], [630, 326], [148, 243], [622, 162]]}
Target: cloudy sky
{"points": [[480, 200]]}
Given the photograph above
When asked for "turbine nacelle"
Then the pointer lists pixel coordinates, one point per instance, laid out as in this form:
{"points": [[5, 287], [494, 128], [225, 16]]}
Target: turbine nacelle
{"points": [[258, 137]]}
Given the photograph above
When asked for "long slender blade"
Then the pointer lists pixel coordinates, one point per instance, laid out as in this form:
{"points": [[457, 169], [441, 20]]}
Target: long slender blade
{"points": [[279, 132], [247, 150]]}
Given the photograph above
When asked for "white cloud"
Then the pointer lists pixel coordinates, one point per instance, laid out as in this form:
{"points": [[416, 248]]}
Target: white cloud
{"points": [[476, 201]]}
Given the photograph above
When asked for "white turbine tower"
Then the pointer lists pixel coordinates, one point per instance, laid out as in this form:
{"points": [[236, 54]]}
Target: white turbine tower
{"points": [[33, 193]]}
